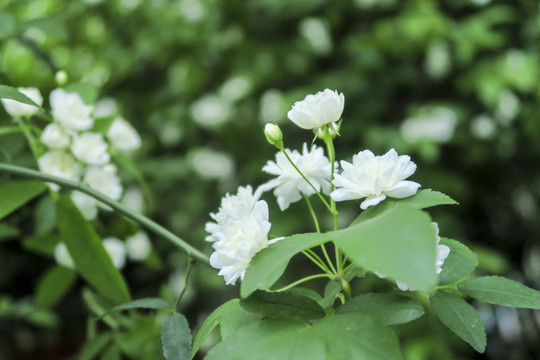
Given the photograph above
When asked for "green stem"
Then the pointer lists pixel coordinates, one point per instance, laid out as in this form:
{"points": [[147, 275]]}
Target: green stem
{"points": [[308, 278], [32, 141], [316, 260], [130, 214], [188, 272], [316, 221]]}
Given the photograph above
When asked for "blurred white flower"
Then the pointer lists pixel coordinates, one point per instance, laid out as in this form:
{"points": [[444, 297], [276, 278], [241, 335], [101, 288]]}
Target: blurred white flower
{"points": [[240, 231], [317, 110], [15, 108], [87, 205], [55, 137], [374, 178], [508, 107], [104, 180], [62, 256], [272, 106], [105, 107], [483, 126], [116, 250], [211, 111], [70, 110], [134, 199], [235, 88], [437, 124], [317, 34], [90, 148], [123, 136], [211, 164], [438, 61], [61, 164], [138, 246], [290, 185]]}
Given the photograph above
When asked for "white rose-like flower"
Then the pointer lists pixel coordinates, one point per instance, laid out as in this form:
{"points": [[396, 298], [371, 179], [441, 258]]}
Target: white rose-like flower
{"points": [[317, 110], [374, 178], [240, 231], [116, 250], [138, 246], [55, 137], [70, 110], [104, 180], [123, 136], [62, 256], [15, 108], [90, 148], [87, 205], [290, 185], [61, 164]]}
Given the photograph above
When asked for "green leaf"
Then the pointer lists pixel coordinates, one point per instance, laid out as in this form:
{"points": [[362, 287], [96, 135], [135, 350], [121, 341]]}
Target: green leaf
{"points": [[86, 249], [147, 303], [7, 25], [43, 244], [282, 304], [501, 291], [87, 91], [8, 92], [94, 346], [270, 263], [54, 285], [16, 194], [112, 353], [461, 318], [399, 243], [391, 309], [351, 336], [176, 337], [331, 290], [460, 262]]}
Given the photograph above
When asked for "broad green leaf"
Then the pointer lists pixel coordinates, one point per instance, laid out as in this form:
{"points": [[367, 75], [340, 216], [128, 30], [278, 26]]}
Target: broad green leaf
{"points": [[8, 231], [391, 309], [331, 291], [282, 304], [399, 243], [43, 244], [54, 285], [461, 318], [7, 25], [501, 291], [270, 263], [16, 194], [147, 303], [87, 91], [176, 337], [89, 255], [312, 294], [340, 337], [460, 262], [44, 215], [94, 346], [8, 92]]}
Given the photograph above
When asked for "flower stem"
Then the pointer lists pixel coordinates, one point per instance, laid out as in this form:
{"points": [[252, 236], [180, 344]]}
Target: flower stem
{"points": [[308, 278], [323, 248], [188, 272], [130, 214], [316, 260]]}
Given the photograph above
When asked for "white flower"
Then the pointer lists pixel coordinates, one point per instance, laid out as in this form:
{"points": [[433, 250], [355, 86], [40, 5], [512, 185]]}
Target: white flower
{"points": [[87, 205], [55, 137], [62, 256], [61, 164], [104, 180], [290, 184], [138, 246], [123, 136], [240, 231], [70, 110], [15, 108], [116, 250], [374, 178], [90, 148], [317, 110]]}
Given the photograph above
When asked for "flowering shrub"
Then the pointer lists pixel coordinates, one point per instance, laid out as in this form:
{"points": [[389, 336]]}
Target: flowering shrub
{"points": [[392, 239]]}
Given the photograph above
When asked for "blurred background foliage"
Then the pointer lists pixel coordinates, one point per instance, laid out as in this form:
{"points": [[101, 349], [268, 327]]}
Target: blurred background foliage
{"points": [[452, 83]]}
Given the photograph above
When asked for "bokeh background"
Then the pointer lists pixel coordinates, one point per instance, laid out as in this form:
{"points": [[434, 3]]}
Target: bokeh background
{"points": [[452, 83]]}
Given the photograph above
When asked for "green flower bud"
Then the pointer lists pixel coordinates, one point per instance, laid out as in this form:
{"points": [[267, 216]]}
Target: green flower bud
{"points": [[274, 135]]}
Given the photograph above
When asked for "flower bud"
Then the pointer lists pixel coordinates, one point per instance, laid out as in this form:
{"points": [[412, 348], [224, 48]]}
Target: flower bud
{"points": [[61, 77], [274, 135]]}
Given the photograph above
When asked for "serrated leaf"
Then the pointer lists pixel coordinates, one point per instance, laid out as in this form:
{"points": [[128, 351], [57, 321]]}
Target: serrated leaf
{"points": [[391, 309], [501, 291], [460, 262], [351, 336], [460, 317], [176, 337], [89, 255], [147, 303], [54, 285], [282, 304], [8, 92], [16, 194]]}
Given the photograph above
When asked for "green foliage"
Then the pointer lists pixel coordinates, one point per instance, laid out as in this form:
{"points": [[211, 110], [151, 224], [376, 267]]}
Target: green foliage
{"points": [[460, 262], [94, 346], [176, 337], [16, 194], [54, 285], [147, 303], [282, 305], [8, 92]]}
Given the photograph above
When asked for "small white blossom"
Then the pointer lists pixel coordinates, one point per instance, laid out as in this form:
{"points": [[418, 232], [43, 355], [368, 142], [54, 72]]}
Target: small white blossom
{"points": [[290, 185], [61, 164], [138, 246], [87, 205], [116, 250], [90, 148], [55, 137], [15, 108], [123, 136], [374, 178], [70, 110], [273, 134], [317, 110], [62, 256], [240, 231], [104, 180]]}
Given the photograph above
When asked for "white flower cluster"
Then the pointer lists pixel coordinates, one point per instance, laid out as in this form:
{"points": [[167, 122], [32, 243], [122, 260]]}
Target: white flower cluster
{"points": [[77, 153], [240, 231]]}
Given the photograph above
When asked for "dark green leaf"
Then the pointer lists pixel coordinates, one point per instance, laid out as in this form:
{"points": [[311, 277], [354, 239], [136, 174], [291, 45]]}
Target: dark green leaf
{"points": [[461, 318], [8, 231], [43, 244], [94, 346], [86, 249], [330, 293], [282, 304], [176, 337], [8, 92], [16, 194], [147, 303], [501, 291], [460, 262], [54, 285], [112, 353], [391, 309]]}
